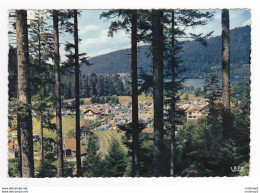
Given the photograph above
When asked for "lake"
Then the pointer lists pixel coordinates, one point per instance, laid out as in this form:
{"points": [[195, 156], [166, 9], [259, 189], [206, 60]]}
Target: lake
{"points": [[199, 82]]}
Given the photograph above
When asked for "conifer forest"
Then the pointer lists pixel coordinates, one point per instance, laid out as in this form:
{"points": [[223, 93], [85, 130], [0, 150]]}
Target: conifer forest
{"points": [[129, 93]]}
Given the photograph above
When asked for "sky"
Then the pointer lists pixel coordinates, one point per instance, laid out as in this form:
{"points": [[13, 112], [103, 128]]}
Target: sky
{"points": [[94, 31]]}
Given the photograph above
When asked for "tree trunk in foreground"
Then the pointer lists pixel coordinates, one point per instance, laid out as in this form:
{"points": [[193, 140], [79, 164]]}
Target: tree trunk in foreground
{"points": [[157, 49], [226, 73], [19, 167], [76, 41], [58, 95], [135, 123], [173, 156], [24, 96]]}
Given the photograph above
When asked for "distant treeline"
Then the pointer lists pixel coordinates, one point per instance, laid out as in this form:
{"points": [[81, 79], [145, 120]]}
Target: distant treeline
{"points": [[103, 99], [94, 85], [200, 60]]}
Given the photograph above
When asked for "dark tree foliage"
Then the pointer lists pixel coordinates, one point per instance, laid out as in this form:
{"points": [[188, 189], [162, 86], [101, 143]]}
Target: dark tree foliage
{"points": [[199, 92], [48, 168], [41, 51], [13, 167], [130, 22], [12, 72], [102, 100], [69, 19], [127, 140], [115, 160], [206, 60], [240, 95], [93, 165], [200, 149], [94, 85], [213, 94]]}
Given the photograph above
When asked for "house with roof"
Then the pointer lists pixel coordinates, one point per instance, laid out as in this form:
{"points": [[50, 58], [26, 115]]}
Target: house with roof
{"points": [[69, 148], [92, 114], [148, 130], [194, 113]]}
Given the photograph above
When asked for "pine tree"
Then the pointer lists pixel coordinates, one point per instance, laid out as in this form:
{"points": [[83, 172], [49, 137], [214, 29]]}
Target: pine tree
{"points": [[173, 104], [213, 92], [24, 96], [157, 50], [76, 54], [115, 161], [128, 141], [129, 23], [40, 49], [100, 86], [72, 65], [136, 166], [175, 19], [59, 140], [93, 164], [226, 73]]}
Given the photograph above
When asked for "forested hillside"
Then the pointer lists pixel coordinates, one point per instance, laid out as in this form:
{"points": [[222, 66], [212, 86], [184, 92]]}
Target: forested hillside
{"points": [[94, 85], [198, 60]]}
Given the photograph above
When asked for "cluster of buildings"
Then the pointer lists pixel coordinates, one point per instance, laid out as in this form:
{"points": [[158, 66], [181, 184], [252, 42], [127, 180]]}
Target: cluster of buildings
{"points": [[119, 114], [111, 116], [194, 109]]}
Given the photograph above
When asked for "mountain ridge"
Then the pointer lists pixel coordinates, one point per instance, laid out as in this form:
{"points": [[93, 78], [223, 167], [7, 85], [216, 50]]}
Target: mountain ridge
{"points": [[197, 59]]}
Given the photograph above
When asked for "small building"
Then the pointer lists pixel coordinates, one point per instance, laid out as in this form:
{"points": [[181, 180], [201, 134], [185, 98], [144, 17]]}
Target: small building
{"points": [[69, 148], [12, 150], [92, 114], [148, 130], [194, 113]]}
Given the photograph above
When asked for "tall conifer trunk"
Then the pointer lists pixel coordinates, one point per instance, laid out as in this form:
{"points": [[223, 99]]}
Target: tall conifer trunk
{"points": [[24, 96], [41, 137], [226, 73], [157, 49], [19, 167], [136, 162], [173, 156], [41, 117], [58, 94], [76, 41]]}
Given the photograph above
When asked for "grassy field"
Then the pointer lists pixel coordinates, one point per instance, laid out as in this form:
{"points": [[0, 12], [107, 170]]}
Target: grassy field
{"points": [[191, 96], [141, 98], [106, 137], [68, 124], [122, 99]]}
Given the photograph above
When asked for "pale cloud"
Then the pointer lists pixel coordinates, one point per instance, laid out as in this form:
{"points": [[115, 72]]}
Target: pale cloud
{"points": [[103, 38], [88, 28], [103, 44]]}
